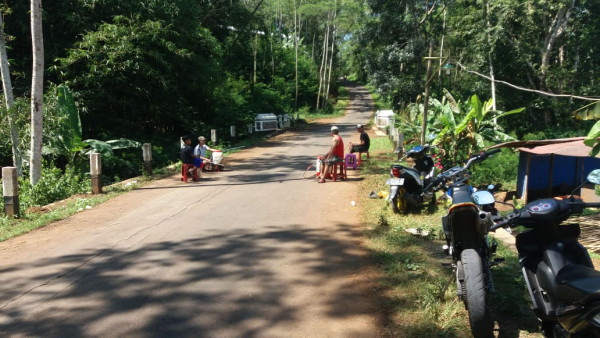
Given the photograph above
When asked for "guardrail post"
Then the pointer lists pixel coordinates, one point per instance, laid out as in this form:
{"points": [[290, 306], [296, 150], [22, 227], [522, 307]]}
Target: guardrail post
{"points": [[96, 172], [250, 128], [10, 188], [147, 153], [213, 136]]}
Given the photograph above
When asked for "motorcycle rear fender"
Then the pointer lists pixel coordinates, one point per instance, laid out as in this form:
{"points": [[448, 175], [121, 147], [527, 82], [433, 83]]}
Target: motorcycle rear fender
{"points": [[393, 191]]}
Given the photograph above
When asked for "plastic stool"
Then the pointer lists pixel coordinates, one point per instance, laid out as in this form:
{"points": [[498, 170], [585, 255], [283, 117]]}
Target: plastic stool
{"points": [[350, 161], [360, 157], [341, 174], [184, 172]]}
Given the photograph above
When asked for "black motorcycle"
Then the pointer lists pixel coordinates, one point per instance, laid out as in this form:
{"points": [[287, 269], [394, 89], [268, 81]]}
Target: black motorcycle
{"points": [[407, 184], [466, 227], [563, 285]]}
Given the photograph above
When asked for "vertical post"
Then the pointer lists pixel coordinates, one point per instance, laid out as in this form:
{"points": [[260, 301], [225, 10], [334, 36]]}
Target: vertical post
{"points": [[426, 103], [147, 153], [213, 136], [96, 172], [10, 188], [250, 128], [400, 147], [232, 132], [280, 121]]}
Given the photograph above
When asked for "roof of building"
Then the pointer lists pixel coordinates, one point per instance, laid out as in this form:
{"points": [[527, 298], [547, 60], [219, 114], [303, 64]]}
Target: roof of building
{"points": [[565, 146]]}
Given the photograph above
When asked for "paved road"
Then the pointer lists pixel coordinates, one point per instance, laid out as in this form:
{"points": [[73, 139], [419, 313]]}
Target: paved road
{"points": [[255, 251]]}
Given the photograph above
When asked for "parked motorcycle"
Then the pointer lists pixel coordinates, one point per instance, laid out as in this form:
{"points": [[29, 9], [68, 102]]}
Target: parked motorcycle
{"points": [[407, 184], [466, 227], [563, 285]]}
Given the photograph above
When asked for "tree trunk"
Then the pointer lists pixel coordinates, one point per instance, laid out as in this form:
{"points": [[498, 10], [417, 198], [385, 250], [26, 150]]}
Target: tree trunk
{"points": [[37, 92], [557, 28], [334, 15], [490, 51], [9, 99], [296, 42]]}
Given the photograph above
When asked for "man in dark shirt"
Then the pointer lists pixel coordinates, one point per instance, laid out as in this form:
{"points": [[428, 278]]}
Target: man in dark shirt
{"points": [[186, 154], [365, 141]]}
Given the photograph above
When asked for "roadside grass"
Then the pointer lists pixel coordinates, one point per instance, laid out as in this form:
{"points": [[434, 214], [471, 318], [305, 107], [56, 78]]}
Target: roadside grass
{"points": [[339, 108], [378, 100], [417, 294]]}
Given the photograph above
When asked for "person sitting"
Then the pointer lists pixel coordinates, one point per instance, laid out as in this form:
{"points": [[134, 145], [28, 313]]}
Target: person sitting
{"points": [[200, 154], [334, 155], [186, 154], [365, 141]]}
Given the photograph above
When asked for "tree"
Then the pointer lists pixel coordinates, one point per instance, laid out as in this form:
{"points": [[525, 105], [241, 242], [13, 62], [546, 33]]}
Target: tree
{"points": [[37, 92], [9, 99]]}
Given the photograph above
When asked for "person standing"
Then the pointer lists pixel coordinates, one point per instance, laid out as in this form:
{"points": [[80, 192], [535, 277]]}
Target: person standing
{"points": [[334, 155]]}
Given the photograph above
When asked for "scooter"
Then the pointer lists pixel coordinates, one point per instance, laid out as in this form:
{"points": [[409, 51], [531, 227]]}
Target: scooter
{"points": [[407, 184], [563, 285], [466, 227]]}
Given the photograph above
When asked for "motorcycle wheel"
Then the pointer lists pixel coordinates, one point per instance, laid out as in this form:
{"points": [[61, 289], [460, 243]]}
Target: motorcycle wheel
{"points": [[398, 202], [476, 295]]}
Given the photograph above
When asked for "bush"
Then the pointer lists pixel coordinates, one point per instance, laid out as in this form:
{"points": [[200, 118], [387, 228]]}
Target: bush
{"points": [[54, 185], [499, 168]]}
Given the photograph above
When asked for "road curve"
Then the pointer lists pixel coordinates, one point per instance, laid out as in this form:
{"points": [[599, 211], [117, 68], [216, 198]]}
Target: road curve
{"points": [[254, 251]]}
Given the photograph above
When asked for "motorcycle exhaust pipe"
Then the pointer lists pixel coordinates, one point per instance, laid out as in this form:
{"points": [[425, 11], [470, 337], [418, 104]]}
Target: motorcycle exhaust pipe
{"points": [[485, 219]]}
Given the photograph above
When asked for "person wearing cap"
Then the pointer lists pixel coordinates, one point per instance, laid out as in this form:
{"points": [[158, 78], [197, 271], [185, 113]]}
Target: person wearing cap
{"points": [[365, 141], [200, 158], [334, 155]]}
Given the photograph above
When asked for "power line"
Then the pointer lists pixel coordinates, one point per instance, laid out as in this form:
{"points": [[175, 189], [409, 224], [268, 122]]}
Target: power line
{"points": [[529, 90]]}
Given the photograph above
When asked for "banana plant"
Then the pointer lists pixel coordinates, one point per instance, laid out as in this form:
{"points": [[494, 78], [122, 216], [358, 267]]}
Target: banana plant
{"points": [[591, 112], [475, 127], [67, 140]]}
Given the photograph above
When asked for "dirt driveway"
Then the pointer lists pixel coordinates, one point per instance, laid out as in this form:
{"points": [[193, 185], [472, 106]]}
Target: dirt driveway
{"points": [[254, 251]]}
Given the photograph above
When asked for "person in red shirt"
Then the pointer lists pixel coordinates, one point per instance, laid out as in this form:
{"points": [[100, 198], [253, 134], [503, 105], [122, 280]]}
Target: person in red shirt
{"points": [[335, 154]]}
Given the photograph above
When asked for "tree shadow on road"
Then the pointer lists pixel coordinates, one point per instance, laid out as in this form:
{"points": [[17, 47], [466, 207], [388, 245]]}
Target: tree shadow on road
{"points": [[228, 284]]}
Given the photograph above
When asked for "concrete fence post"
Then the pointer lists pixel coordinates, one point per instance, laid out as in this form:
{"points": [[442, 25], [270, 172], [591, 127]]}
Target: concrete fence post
{"points": [[250, 128], [232, 131], [96, 172], [10, 188], [147, 153], [213, 136]]}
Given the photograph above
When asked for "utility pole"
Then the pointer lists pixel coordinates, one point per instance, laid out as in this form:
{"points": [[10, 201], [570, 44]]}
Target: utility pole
{"points": [[426, 103]]}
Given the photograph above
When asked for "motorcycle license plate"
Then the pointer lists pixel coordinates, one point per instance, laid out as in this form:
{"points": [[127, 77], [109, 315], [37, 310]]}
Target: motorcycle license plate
{"points": [[395, 181]]}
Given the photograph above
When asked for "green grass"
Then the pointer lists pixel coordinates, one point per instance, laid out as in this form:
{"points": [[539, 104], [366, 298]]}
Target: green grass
{"points": [[378, 100], [418, 294]]}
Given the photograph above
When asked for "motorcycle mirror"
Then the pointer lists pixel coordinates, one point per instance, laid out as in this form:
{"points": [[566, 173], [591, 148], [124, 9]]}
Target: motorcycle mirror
{"points": [[491, 187], [594, 176]]}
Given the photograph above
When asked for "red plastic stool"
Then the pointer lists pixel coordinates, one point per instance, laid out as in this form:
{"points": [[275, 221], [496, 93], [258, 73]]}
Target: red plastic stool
{"points": [[350, 161], [360, 157], [342, 168], [184, 172]]}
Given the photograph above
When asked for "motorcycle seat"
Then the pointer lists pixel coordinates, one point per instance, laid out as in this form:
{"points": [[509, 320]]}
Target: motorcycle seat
{"points": [[577, 284]]}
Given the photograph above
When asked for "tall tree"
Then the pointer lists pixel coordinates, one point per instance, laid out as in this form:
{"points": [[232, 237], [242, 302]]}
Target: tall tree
{"points": [[37, 92], [9, 99]]}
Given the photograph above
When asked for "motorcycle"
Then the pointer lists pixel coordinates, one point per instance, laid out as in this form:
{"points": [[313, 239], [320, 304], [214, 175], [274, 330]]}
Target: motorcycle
{"points": [[465, 228], [407, 184], [563, 285]]}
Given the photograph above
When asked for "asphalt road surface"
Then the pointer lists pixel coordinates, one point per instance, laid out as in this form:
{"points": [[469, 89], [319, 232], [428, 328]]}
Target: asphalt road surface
{"points": [[254, 251]]}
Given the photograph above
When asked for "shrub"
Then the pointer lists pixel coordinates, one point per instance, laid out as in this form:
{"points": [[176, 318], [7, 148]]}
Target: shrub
{"points": [[54, 185], [500, 168]]}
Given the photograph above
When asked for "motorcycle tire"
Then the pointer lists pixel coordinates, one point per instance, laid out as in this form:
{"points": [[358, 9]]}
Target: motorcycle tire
{"points": [[476, 295], [399, 203]]}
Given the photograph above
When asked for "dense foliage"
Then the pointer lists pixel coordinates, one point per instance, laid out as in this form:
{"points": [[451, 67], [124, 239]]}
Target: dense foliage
{"points": [[153, 70], [548, 46]]}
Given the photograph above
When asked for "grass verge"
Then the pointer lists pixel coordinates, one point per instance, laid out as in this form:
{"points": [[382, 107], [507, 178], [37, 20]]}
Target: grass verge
{"points": [[418, 295]]}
